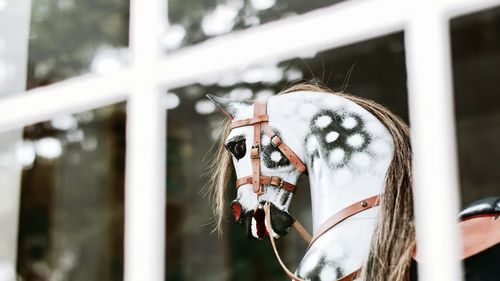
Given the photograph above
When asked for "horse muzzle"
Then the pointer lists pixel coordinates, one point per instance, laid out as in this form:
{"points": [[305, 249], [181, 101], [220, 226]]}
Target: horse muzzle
{"points": [[281, 221], [255, 221]]}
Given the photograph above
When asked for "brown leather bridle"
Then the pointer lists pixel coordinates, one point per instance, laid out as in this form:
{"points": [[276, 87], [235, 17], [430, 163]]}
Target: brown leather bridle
{"points": [[260, 122]]}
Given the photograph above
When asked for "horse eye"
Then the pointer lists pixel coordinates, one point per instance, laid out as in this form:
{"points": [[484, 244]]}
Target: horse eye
{"points": [[237, 148]]}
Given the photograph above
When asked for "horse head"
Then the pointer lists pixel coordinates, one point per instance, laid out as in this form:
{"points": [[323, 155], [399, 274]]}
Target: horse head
{"points": [[353, 149], [277, 174]]}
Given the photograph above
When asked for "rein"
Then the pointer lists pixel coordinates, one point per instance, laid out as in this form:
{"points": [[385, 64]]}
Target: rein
{"points": [[331, 222], [260, 121]]}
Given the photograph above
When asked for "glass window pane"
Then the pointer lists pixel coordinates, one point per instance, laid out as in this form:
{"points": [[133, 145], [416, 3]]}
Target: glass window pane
{"points": [[193, 21], [69, 38], [72, 196], [13, 46], [374, 69], [476, 68]]}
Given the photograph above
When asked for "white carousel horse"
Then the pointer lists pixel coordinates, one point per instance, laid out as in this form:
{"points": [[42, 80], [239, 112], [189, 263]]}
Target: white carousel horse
{"points": [[353, 150]]}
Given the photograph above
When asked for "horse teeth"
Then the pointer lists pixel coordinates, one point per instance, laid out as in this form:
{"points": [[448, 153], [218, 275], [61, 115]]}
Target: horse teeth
{"points": [[254, 228]]}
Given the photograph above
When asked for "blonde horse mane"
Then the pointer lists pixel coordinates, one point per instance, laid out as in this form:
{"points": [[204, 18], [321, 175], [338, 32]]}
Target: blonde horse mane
{"points": [[394, 237]]}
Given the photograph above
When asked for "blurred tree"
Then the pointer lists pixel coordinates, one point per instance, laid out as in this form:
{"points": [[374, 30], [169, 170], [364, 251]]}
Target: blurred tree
{"points": [[66, 34]]}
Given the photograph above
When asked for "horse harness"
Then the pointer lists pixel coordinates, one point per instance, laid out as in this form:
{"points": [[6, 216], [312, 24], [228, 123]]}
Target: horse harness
{"points": [[260, 123]]}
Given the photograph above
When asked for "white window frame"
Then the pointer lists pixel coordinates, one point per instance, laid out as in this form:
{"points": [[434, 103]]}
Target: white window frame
{"points": [[141, 84]]}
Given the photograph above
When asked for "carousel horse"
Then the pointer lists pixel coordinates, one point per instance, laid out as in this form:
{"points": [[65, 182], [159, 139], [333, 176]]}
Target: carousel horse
{"points": [[357, 157]]}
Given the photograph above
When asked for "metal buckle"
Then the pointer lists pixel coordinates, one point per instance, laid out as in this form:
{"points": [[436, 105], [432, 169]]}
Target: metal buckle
{"points": [[280, 181], [255, 151], [272, 143]]}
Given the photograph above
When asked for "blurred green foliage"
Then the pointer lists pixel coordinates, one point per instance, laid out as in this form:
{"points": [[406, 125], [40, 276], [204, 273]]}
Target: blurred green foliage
{"points": [[65, 35]]}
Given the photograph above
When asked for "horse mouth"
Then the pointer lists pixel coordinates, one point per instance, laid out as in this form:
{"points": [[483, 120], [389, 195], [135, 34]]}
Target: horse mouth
{"points": [[258, 225]]}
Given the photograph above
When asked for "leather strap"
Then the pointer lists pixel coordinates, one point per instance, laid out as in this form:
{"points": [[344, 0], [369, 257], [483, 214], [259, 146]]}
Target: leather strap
{"points": [[265, 180], [249, 121], [259, 109], [345, 213], [349, 277], [302, 231], [287, 151]]}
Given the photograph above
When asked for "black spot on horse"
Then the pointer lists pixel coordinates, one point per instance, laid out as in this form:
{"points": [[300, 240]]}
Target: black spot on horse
{"points": [[269, 150], [339, 272], [340, 135], [284, 198], [315, 273]]}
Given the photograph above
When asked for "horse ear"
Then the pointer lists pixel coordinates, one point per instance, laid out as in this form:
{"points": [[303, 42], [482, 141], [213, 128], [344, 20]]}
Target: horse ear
{"points": [[224, 104]]}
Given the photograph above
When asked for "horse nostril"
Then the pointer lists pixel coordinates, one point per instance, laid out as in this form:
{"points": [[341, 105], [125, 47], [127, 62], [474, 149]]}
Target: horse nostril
{"points": [[236, 207]]}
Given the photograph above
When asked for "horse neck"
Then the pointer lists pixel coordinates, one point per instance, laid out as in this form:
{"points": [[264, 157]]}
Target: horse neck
{"points": [[331, 192], [333, 188]]}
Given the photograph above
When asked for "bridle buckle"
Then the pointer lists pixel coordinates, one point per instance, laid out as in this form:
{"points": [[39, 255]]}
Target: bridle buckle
{"points": [[281, 182], [278, 181], [278, 141], [255, 152]]}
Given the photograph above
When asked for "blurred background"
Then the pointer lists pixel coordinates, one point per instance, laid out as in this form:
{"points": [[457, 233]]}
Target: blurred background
{"points": [[72, 183]]}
